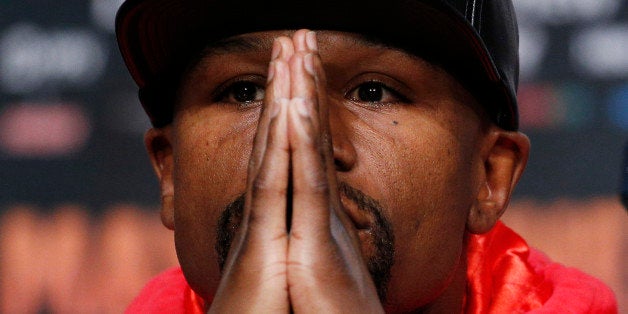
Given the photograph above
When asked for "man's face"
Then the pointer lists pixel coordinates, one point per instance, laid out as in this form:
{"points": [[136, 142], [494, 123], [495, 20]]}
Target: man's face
{"points": [[407, 149]]}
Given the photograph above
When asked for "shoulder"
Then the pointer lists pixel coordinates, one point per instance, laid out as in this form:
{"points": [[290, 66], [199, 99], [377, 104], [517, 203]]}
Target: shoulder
{"points": [[168, 292], [505, 275], [571, 288]]}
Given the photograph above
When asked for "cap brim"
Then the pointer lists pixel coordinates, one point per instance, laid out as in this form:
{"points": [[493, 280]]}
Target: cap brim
{"points": [[158, 37]]}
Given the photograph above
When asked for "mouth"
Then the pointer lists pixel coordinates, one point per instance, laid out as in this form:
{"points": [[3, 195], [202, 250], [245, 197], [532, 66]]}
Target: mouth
{"points": [[374, 232]]}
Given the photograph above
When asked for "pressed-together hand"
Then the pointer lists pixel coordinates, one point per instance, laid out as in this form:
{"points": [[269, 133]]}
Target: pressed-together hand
{"points": [[313, 263]]}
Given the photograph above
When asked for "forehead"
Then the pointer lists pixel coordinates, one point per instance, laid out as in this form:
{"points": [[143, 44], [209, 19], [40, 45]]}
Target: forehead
{"points": [[329, 42], [263, 41]]}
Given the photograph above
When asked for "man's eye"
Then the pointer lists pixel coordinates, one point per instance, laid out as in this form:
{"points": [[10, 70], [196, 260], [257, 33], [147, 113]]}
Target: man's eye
{"points": [[242, 92], [374, 92]]}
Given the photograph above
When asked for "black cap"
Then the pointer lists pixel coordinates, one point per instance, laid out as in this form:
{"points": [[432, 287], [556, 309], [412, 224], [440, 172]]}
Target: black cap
{"points": [[474, 40]]}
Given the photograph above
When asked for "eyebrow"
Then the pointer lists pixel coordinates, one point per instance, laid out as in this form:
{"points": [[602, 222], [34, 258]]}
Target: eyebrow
{"points": [[240, 44], [247, 44], [231, 45]]}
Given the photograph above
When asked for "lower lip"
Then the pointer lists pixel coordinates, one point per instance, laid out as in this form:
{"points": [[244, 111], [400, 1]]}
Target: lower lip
{"points": [[365, 235], [366, 242]]}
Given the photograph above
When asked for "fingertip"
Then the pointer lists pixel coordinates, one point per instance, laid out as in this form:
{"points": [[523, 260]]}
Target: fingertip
{"points": [[299, 39], [287, 47], [311, 41]]}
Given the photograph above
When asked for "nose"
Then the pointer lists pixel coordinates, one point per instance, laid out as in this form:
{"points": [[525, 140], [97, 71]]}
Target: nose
{"points": [[345, 155]]}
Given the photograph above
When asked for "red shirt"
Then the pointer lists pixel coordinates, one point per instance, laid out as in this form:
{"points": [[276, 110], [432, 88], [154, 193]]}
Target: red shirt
{"points": [[504, 276]]}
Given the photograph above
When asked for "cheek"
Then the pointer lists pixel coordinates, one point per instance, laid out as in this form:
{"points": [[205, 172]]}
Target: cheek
{"points": [[429, 219], [425, 185], [211, 158]]}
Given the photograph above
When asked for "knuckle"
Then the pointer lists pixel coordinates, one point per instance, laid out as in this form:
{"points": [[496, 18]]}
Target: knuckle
{"points": [[262, 185], [316, 187], [320, 187]]}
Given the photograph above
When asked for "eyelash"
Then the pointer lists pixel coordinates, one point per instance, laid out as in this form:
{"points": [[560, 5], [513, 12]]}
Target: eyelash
{"points": [[396, 94], [224, 92]]}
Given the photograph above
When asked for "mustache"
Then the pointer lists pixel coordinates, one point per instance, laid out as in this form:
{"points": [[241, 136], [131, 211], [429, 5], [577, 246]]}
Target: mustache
{"points": [[382, 234]]}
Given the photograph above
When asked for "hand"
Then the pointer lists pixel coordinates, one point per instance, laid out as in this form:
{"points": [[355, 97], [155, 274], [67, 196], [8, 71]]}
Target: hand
{"points": [[254, 276], [314, 262], [326, 271]]}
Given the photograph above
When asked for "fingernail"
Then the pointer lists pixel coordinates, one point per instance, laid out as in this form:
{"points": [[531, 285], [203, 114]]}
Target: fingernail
{"points": [[276, 50], [271, 71], [310, 39], [299, 104], [308, 62]]}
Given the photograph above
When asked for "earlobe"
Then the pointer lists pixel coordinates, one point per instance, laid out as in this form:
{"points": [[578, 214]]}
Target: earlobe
{"points": [[159, 147], [505, 155]]}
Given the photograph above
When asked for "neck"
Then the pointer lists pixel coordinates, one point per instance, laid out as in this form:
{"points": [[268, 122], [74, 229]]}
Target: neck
{"points": [[452, 298]]}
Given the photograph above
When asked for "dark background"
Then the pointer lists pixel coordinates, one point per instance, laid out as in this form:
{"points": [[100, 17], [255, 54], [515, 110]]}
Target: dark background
{"points": [[71, 127]]}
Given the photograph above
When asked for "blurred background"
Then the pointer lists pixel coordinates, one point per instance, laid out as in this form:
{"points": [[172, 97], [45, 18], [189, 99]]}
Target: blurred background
{"points": [[79, 228]]}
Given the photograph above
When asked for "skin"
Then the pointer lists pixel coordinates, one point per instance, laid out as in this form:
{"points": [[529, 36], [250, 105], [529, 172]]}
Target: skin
{"points": [[422, 148]]}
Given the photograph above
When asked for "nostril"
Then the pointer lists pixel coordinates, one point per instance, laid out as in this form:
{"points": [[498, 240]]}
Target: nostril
{"points": [[340, 165], [344, 158]]}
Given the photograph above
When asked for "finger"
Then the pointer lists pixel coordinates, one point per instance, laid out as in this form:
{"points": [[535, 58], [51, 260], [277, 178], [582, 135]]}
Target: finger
{"points": [[322, 116], [266, 200], [305, 43], [310, 184], [277, 87], [255, 269], [300, 42], [311, 143], [303, 81], [287, 47], [303, 75], [303, 78], [314, 66], [267, 197], [310, 181]]}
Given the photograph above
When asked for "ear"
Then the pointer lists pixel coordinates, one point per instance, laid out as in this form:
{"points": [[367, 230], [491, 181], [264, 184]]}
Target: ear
{"points": [[505, 155], [159, 147]]}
